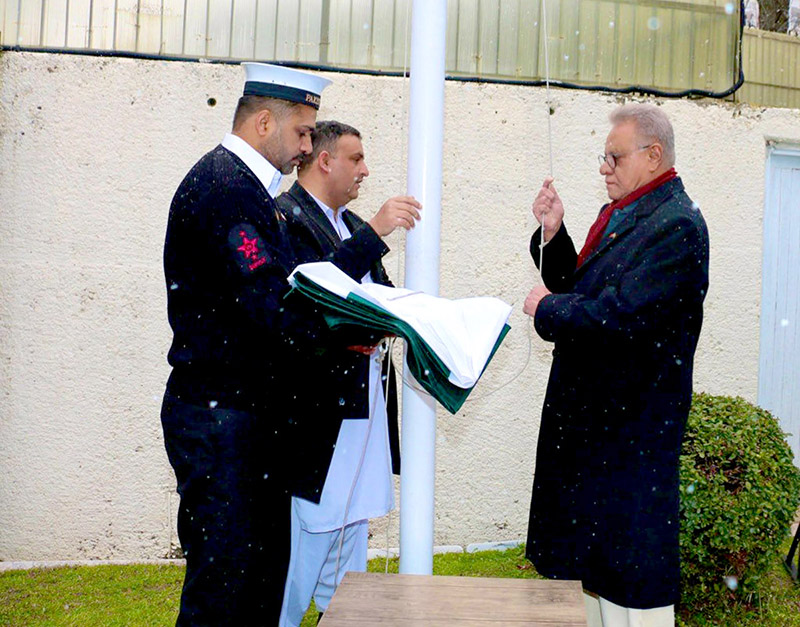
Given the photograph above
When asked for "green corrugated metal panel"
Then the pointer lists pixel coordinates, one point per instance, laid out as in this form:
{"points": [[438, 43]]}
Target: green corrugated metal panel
{"points": [[656, 43], [666, 44], [771, 63], [662, 44]]}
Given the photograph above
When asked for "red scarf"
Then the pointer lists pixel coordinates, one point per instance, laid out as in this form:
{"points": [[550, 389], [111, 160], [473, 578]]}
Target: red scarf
{"points": [[599, 227]]}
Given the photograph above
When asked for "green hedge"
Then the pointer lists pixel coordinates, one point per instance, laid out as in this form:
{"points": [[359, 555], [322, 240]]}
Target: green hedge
{"points": [[739, 494]]}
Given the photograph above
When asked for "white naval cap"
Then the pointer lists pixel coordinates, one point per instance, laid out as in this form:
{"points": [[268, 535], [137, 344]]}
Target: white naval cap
{"points": [[276, 81]]}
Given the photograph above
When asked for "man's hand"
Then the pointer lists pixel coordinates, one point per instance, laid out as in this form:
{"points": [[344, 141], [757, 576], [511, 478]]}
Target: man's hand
{"points": [[532, 301], [548, 207], [397, 211]]}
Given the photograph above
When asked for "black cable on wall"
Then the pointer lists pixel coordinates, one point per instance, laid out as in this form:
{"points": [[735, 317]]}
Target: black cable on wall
{"points": [[632, 89]]}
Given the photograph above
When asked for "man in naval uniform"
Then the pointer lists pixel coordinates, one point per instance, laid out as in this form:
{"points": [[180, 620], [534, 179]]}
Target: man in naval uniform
{"points": [[226, 259], [330, 530]]}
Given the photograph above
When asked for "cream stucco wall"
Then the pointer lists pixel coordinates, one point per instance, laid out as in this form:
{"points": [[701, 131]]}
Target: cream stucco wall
{"points": [[91, 151]]}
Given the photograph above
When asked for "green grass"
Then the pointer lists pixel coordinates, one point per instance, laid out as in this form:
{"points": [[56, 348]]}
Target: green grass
{"points": [[511, 563], [91, 595], [147, 595]]}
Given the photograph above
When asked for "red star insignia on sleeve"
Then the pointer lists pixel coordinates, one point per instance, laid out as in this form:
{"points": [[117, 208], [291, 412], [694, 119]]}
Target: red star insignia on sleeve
{"points": [[249, 247]]}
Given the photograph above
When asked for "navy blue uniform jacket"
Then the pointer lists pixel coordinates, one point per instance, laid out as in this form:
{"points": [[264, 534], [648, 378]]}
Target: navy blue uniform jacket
{"points": [[225, 414], [248, 415], [241, 340], [625, 325]]}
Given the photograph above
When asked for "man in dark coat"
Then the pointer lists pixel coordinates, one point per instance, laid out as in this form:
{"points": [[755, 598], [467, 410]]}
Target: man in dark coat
{"points": [[625, 315], [346, 377], [226, 409]]}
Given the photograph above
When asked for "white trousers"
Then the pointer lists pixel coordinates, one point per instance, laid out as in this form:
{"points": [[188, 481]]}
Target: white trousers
{"points": [[604, 613], [312, 567]]}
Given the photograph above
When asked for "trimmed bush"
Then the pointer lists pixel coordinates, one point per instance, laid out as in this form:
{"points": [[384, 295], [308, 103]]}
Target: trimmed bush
{"points": [[739, 494]]}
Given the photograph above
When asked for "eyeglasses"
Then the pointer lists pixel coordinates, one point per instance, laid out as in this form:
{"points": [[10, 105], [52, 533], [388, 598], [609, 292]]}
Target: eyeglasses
{"points": [[611, 159]]}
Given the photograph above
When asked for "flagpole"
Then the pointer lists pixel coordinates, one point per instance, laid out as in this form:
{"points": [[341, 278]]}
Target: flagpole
{"points": [[424, 182]]}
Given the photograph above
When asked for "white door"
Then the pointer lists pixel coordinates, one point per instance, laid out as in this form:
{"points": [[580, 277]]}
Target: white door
{"points": [[779, 361]]}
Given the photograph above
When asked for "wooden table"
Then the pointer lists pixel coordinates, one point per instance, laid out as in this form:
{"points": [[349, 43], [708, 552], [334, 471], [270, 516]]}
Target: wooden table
{"points": [[424, 601]]}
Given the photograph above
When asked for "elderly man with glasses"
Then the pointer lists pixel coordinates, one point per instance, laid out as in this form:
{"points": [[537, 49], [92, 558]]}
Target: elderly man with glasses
{"points": [[625, 315]]}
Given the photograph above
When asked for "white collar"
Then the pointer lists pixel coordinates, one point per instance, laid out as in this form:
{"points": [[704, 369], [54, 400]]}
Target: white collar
{"points": [[265, 172]]}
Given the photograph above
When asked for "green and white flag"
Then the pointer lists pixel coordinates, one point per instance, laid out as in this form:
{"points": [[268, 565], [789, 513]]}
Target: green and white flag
{"points": [[450, 342]]}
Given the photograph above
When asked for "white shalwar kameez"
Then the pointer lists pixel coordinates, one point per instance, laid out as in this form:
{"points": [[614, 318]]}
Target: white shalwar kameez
{"points": [[316, 528], [601, 612]]}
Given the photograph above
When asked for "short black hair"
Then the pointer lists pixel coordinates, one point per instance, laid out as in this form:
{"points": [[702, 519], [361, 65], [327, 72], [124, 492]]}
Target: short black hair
{"points": [[248, 105], [324, 137]]}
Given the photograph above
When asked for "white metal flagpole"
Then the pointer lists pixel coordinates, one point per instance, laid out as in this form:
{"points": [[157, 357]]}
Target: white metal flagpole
{"points": [[424, 182]]}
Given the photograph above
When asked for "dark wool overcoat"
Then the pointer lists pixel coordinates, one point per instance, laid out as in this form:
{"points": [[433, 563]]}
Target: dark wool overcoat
{"points": [[247, 419], [242, 339], [625, 325]]}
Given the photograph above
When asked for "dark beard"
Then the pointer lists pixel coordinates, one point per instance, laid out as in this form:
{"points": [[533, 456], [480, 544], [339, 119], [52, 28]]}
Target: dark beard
{"points": [[288, 167]]}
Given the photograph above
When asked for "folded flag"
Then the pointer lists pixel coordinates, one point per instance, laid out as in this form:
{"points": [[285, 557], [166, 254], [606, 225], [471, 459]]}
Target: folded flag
{"points": [[449, 342]]}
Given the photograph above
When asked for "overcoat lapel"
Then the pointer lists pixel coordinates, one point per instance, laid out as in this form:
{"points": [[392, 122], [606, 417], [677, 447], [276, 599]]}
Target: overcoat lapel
{"points": [[644, 208], [314, 218], [377, 271], [327, 237], [351, 220]]}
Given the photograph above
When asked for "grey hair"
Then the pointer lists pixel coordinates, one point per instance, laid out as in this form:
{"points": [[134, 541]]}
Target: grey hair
{"points": [[652, 124]]}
